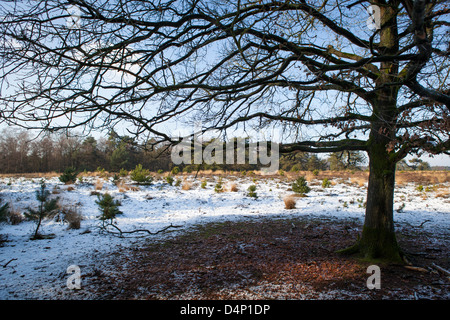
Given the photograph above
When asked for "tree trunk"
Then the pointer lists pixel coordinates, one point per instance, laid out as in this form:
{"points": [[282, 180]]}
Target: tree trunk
{"points": [[378, 239]]}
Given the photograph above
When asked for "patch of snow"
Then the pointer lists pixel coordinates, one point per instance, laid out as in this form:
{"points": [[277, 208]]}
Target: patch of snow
{"points": [[36, 269]]}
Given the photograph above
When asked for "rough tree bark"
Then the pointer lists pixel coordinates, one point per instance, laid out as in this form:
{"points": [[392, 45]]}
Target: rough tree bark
{"points": [[378, 238]]}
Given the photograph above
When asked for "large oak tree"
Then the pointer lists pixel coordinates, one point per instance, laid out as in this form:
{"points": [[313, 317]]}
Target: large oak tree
{"points": [[314, 68]]}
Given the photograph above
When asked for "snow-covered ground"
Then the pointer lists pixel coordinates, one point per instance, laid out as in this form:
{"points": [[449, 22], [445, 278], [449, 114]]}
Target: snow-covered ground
{"points": [[37, 269]]}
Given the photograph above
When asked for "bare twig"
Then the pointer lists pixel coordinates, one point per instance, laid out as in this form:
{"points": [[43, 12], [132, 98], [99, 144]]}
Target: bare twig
{"points": [[441, 269], [5, 265], [420, 269], [120, 232], [421, 225]]}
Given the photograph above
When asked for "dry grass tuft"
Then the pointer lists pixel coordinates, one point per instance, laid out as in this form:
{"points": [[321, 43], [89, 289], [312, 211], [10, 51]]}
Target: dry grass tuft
{"points": [[122, 186], [56, 190], [72, 217], [232, 187], [133, 188], [14, 216], [186, 186], [98, 185], [359, 181], [289, 202], [443, 194]]}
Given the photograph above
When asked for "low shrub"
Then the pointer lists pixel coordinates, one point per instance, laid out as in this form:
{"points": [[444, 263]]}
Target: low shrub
{"points": [[108, 207], [218, 187], [141, 176], [326, 183], [175, 170], [300, 186], [252, 191], [46, 208], [69, 175], [169, 179]]}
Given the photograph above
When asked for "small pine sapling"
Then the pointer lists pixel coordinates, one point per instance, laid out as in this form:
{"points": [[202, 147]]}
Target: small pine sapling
{"points": [[116, 178], [69, 175], [46, 208], [326, 183], [108, 207], [141, 176], [219, 186], [252, 191], [300, 186], [169, 179]]}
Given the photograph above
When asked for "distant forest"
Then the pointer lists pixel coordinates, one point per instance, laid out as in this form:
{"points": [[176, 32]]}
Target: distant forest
{"points": [[20, 152]]}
